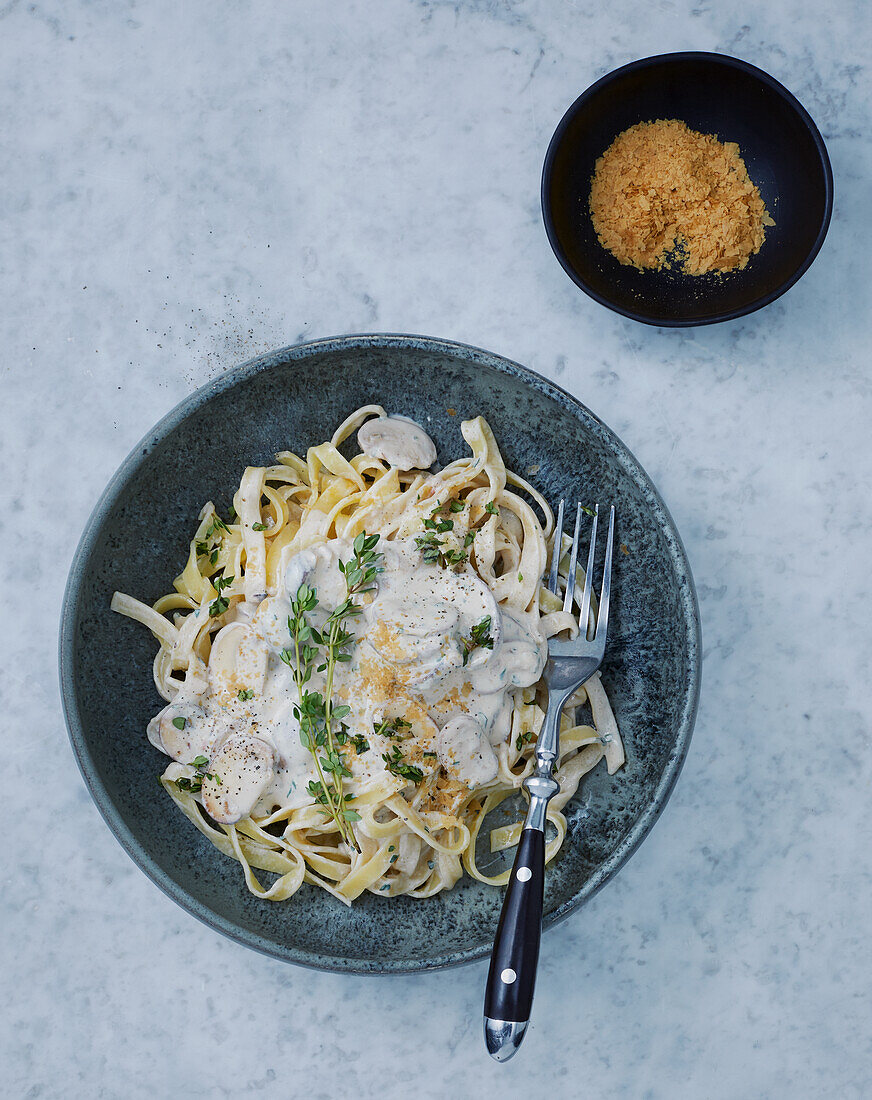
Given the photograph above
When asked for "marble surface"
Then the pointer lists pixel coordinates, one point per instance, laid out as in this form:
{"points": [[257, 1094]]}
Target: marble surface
{"points": [[188, 184]]}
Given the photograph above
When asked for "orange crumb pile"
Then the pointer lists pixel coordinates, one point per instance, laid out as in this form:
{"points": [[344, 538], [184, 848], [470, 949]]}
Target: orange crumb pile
{"points": [[663, 192]]}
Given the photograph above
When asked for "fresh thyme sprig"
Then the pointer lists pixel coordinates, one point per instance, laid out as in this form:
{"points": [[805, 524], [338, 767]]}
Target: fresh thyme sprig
{"points": [[217, 528], [211, 552], [360, 573], [317, 713], [395, 728], [309, 710], [480, 637], [215, 531], [219, 606], [397, 765], [432, 547], [195, 784], [318, 792]]}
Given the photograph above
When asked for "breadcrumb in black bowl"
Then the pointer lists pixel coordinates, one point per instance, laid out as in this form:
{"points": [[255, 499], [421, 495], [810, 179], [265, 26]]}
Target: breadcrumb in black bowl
{"points": [[782, 148]]}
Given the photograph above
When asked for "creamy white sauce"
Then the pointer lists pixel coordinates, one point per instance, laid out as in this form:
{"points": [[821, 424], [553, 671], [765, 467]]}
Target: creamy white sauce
{"points": [[408, 662]]}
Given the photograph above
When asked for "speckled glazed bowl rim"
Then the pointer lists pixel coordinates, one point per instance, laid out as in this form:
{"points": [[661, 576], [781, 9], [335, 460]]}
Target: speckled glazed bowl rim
{"points": [[300, 353], [646, 63]]}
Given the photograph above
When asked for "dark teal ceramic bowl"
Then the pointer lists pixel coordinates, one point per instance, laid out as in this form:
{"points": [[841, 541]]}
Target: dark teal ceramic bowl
{"points": [[137, 539]]}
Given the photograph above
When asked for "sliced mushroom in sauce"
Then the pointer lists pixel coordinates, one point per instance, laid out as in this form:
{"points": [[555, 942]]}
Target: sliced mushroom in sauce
{"points": [[236, 777], [179, 730], [398, 441], [465, 752]]}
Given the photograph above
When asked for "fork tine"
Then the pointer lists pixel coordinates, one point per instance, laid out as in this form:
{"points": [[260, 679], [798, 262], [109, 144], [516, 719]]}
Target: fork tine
{"points": [[557, 549], [584, 614], [602, 621], [573, 560]]}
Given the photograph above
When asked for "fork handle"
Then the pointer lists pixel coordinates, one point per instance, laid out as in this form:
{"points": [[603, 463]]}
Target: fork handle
{"points": [[512, 976], [511, 979]]}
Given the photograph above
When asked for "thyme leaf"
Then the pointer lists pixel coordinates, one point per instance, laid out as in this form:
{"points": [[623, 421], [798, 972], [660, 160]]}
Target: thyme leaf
{"points": [[480, 637], [395, 728], [194, 783], [524, 739], [397, 765], [433, 549], [219, 606]]}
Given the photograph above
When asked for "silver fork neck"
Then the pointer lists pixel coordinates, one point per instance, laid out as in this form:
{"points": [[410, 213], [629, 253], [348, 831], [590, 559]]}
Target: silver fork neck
{"points": [[542, 788], [548, 742], [541, 785]]}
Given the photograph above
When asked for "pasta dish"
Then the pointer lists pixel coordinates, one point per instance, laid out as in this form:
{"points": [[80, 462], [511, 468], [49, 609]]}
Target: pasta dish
{"points": [[350, 661]]}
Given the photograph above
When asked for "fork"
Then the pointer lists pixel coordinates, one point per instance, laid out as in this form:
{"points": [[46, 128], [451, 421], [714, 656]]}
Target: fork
{"points": [[512, 975]]}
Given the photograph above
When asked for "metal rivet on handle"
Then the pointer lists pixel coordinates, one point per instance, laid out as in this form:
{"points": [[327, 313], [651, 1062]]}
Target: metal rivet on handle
{"points": [[508, 976], [524, 874]]}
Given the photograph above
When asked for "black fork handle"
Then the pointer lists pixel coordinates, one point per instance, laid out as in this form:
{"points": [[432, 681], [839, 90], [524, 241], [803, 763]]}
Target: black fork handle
{"points": [[511, 980]]}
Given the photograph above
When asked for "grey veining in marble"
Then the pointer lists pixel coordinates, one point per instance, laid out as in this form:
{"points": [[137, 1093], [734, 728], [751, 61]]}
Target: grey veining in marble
{"points": [[186, 185]]}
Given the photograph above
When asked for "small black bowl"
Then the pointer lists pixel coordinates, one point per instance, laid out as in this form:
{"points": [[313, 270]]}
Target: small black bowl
{"points": [[782, 148]]}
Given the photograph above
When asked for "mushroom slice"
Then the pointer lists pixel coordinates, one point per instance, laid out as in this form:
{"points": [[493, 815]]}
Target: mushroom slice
{"points": [[465, 752], [238, 661], [236, 778], [271, 621], [403, 635], [398, 441], [318, 568], [298, 569], [180, 730]]}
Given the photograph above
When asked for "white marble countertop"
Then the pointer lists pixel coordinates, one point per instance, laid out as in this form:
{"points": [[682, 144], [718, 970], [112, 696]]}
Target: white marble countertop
{"points": [[188, 184]]}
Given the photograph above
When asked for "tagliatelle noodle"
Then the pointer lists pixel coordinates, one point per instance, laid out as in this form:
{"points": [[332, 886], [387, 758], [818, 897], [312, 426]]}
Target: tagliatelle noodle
{"points": [[411, 838]]}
